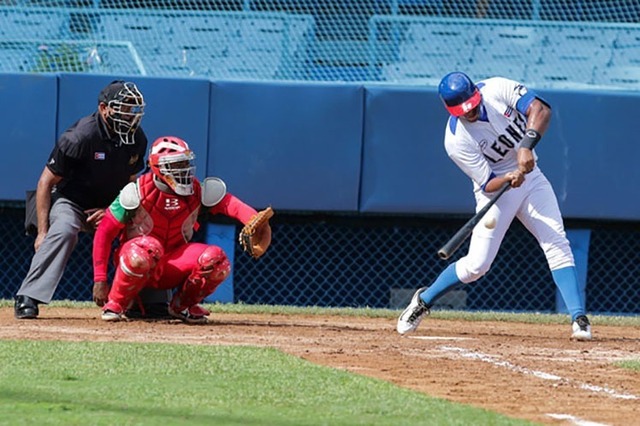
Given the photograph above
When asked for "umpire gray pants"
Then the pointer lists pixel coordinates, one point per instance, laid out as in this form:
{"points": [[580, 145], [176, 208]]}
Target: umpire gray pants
{"points": [[66, 220]]}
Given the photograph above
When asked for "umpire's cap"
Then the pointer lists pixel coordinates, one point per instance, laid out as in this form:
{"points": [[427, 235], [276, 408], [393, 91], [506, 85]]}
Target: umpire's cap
{"points": [[458, 93], [113, 91]]}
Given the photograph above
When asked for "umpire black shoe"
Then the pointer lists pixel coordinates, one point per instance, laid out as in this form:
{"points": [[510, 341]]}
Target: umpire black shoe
{"points": [[26, 308]]}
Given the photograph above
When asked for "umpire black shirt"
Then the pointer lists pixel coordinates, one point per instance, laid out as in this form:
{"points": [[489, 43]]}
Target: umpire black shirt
{"points": [[93, 165]]}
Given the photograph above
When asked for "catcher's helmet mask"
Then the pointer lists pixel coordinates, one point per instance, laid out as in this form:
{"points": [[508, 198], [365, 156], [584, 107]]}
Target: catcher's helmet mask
{"points": [[172, 163], [459, 94], [126, 108]]}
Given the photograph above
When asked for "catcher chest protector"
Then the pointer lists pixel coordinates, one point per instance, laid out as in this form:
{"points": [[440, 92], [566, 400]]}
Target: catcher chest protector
{"points": [[170, 217]]}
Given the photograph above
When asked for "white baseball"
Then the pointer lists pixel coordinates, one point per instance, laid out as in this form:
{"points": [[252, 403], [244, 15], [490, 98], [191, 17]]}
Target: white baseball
{"points": [[490, 222]]}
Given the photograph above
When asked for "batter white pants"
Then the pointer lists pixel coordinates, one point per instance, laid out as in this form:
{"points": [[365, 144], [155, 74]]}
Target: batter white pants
{"points": [[535, 205]]}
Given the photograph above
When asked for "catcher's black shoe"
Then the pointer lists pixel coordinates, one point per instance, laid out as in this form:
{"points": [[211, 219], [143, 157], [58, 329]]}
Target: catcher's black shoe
{"points": [[149, 311], [26, 308], [195, 314]]}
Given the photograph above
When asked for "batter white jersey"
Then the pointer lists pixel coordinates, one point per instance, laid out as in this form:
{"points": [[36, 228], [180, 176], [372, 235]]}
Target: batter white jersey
{"points": [[488, 147]]}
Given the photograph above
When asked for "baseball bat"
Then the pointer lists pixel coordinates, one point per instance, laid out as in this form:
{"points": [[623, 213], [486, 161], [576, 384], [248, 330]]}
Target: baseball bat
{"points": [[463, 233]]}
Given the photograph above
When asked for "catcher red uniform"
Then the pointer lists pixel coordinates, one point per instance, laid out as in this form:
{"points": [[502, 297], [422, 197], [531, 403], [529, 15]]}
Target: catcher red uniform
{"points": [[155, 218]]}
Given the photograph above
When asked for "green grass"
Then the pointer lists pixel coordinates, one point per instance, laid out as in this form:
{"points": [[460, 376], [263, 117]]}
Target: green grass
{"points": [[630, 364], [71, 383]]}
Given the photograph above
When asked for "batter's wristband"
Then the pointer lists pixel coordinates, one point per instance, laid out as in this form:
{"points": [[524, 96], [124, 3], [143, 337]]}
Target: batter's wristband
{"points": [[531, 138]]}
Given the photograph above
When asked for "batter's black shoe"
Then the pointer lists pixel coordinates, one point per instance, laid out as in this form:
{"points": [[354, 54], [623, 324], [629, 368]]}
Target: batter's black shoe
{"points": [[410, 318], [26, 308], [581, 328]]}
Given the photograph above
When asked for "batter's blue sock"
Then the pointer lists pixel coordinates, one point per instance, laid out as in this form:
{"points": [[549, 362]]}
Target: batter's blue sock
{"points": [[446, 281], [567, 281]]}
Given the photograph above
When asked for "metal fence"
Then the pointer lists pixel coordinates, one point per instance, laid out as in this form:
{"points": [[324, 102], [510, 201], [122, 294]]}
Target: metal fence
{"points": [[364, 261], [546, 44]]}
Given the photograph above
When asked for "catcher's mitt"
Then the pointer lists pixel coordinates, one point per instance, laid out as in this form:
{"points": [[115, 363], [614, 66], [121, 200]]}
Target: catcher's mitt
{"points": [[255, 237]]}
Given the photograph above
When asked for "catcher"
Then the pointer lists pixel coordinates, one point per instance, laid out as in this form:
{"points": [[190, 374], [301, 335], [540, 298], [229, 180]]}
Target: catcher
{"points": [[155, 218]]}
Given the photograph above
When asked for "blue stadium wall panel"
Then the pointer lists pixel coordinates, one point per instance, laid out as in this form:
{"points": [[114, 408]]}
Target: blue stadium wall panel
{"points": [[173, 107], [315, 147], [405, 168], [590, 154], [28, 107], [292, 146]]}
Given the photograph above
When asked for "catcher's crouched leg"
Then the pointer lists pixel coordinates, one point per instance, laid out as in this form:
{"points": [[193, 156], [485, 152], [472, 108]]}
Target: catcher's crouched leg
{"points": [[137, 263], [212, 268]]}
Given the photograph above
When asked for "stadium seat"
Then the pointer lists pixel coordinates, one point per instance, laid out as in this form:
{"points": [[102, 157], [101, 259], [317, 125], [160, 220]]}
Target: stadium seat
{"points": [[559, 76], [36, 24], [626, 48], [300, 34], [514, 70], [618, 77], [508, 56], [425, 53], [242, 68], [421, 31], [627, 38], [581, 47], [541, 53], [412, 72], [145, 31], [262, 33], [205, 34], [13, 58], [503, 43]]}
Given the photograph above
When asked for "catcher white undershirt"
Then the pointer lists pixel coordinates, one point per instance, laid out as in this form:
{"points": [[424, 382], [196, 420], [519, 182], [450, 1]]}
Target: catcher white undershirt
{"points": [[488, 147]]}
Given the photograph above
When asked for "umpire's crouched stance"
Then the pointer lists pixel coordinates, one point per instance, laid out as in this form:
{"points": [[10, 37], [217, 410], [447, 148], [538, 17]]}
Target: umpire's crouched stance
{"points": [[91, 161]]}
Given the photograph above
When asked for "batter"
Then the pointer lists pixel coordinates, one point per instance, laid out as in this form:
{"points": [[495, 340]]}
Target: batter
{"points": [[490, 136]]}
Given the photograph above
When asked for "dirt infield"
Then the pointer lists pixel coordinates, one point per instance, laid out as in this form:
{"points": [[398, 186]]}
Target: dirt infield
{"points": [[526, 371]]}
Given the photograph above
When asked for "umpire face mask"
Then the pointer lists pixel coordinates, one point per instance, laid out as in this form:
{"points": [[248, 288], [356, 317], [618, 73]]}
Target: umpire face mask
{"points": [[124, 112], [123, 118]]}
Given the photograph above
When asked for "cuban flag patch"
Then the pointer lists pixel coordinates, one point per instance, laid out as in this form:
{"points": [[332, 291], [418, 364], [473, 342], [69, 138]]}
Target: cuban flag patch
{"points": [[99, 156], [508, 112]]}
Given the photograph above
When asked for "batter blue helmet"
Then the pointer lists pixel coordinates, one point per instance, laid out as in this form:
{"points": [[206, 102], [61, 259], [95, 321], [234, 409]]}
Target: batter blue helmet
{"points": [[458, 93]]}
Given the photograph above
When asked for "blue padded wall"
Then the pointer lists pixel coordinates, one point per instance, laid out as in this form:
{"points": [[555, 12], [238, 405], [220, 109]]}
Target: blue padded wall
{"points": [[590, 154], [28, 111], [333, 147], [405, 168], [177, 107], [292, 146]]}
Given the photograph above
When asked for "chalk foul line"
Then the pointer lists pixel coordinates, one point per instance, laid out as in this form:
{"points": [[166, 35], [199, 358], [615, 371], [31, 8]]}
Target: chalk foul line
{"points": [[439, 338], [574, 420], [465, 353]]}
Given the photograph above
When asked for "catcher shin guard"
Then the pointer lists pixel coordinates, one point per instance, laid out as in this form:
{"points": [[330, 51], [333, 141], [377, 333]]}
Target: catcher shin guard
{"points": [[212, 268], [138, 262]]}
